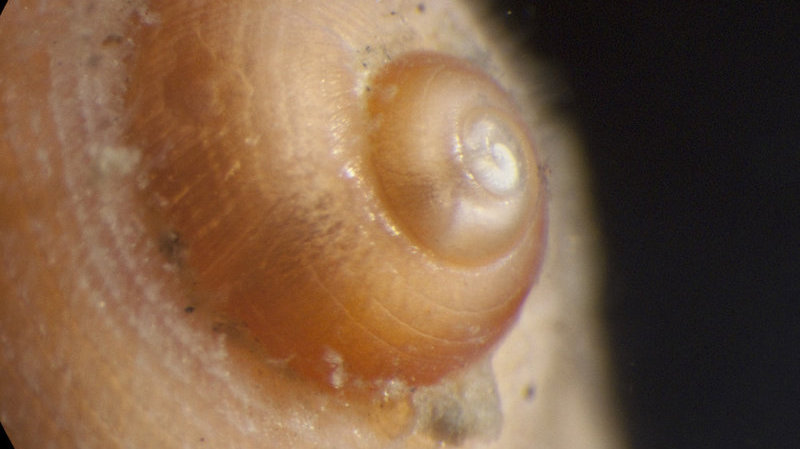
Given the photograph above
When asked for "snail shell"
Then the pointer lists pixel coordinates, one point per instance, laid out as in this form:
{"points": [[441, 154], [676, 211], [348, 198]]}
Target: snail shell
{"points": [[176, 176], [389, 231]]}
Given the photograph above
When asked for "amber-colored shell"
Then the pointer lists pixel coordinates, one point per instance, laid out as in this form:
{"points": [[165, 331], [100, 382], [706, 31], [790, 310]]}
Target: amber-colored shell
{"points": [[391, 233], [453, 160]]}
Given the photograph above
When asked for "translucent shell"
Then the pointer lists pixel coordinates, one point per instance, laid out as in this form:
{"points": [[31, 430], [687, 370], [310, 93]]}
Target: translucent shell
{"points": [[353, 236], [454, 162]]}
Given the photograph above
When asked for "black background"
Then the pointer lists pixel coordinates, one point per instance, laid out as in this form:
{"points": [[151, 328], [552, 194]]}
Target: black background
{"points": [[691, 119]]}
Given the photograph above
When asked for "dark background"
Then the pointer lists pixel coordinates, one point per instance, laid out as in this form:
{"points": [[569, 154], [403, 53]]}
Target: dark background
{"points": [[691, 119]]}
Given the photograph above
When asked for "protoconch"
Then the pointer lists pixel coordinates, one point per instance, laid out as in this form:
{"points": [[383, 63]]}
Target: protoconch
{"points": [[288, 224]]}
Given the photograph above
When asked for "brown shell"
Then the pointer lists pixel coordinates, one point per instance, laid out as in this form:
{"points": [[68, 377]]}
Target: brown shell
{"points": [[272, 188]]}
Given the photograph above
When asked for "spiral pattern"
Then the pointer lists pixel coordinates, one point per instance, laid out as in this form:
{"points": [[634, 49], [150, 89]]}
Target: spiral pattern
{"points": [[365, 224]]}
